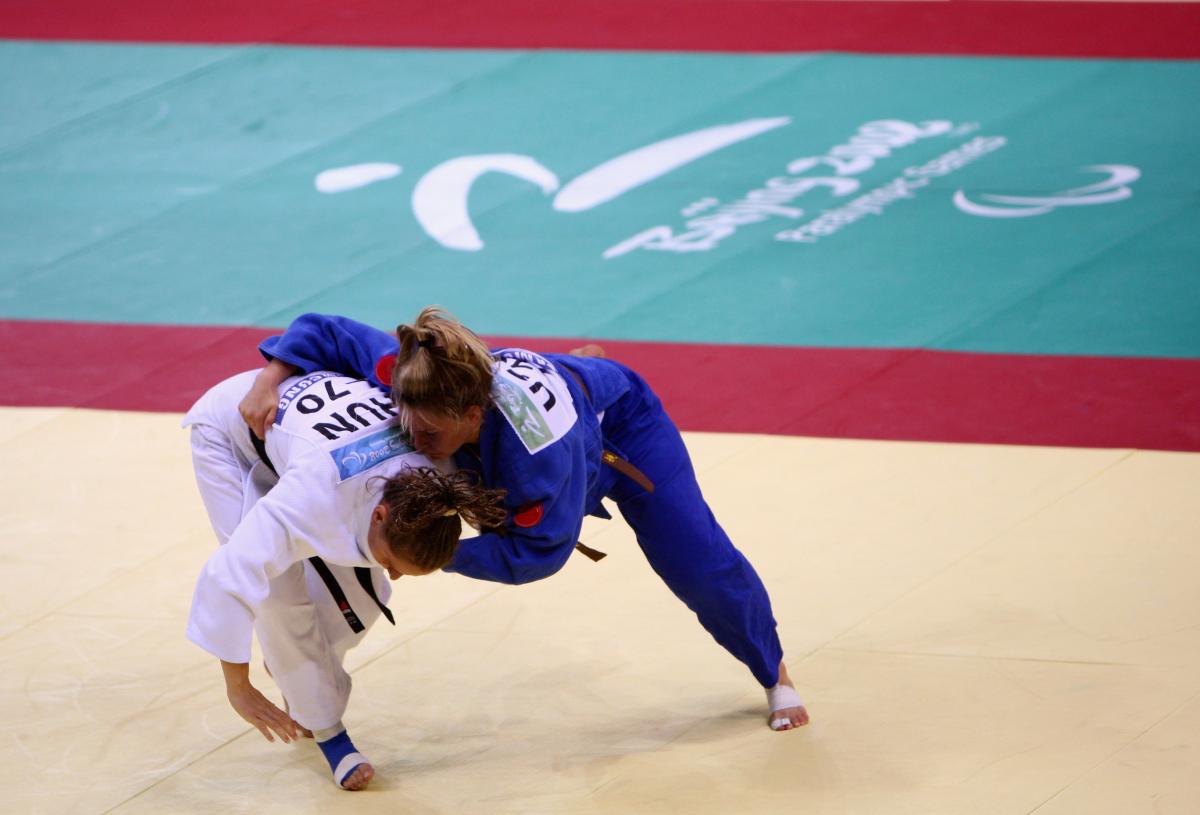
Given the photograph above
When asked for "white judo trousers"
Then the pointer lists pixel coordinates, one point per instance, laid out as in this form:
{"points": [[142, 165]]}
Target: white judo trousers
{"points": [[303, 635]]}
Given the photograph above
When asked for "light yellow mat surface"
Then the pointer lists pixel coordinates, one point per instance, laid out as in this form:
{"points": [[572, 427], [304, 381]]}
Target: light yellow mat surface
{"points": [[976, 629]]}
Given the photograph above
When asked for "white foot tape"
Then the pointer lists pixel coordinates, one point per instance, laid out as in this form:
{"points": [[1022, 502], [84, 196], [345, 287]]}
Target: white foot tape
{"points": [[780, 697], [347, 765]]}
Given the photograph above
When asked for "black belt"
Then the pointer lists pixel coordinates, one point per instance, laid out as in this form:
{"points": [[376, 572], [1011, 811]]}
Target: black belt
{"points": [[361, 573]]}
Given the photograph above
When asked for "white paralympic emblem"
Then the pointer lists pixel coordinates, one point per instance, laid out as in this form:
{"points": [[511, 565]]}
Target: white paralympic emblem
{"points": [[1114, 188], [439, 200], [355, 462]]}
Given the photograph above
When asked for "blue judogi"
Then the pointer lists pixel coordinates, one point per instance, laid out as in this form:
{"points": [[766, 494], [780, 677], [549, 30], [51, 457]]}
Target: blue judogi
{"points": [[550, 490]]}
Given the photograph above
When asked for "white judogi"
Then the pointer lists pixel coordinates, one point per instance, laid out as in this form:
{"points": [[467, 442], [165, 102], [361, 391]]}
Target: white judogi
{"points": [[332, 436]]}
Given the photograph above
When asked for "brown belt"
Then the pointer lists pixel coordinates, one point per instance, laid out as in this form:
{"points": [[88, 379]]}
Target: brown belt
{"points": [[625, 468], [609, 457], [617, 463]]}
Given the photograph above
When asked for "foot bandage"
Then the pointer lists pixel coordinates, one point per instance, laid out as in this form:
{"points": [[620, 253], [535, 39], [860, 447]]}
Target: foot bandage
{"points": [[342, 757], [780, 697]]}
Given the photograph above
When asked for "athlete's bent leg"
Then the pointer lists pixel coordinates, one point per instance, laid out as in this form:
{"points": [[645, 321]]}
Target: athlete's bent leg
{"points": [[693, 555], [304, 637]]}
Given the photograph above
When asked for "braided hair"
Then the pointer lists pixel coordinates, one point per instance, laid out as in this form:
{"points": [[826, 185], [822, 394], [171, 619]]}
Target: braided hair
{"points": [[426, 508]]}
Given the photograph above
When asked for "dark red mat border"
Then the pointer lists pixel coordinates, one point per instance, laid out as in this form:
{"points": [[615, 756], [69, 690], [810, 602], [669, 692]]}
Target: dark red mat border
{"points": [[983, 27], [901, 394]]}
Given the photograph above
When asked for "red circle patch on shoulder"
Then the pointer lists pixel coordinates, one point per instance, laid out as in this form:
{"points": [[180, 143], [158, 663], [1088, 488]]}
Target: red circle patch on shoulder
{"points": [[530, 515], [383, 369]]}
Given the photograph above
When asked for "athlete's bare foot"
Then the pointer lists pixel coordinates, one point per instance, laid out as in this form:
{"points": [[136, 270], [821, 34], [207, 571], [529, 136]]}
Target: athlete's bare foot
{"points": [[359, 779], [346, 763], [589, 350], [787, 711]]}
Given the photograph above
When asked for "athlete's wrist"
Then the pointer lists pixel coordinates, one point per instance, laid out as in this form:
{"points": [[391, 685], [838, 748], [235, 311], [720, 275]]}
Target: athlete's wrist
{"points": [[273, 374], [237, 674]]}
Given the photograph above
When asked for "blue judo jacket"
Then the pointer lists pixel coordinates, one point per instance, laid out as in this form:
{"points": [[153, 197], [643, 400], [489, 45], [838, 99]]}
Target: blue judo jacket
{"points": [[548, 491]]}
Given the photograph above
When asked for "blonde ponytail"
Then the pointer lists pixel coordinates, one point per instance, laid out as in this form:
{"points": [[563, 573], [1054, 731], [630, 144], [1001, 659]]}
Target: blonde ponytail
{"points": [[442, 365]]}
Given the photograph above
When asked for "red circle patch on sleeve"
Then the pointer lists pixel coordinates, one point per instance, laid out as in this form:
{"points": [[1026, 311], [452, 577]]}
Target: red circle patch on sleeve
{"points": [[530, 515], [383, 369]]}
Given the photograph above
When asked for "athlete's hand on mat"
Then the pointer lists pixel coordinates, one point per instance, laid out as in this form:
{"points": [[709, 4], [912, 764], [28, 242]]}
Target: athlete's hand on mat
{"points": [[261, 712], [259, 406]]}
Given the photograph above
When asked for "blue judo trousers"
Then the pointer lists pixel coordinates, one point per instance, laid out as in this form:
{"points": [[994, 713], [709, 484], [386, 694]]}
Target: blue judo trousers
{"points": [[549, 491], [681, 538]]}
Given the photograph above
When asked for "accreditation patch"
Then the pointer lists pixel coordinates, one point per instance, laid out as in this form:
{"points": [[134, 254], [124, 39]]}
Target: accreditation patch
{"points": [[364, 453], [532, 398]]}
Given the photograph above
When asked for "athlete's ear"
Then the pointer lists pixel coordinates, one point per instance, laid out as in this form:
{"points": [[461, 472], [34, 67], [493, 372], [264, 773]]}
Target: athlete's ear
{"points": [[474, 415], [379, 515]]}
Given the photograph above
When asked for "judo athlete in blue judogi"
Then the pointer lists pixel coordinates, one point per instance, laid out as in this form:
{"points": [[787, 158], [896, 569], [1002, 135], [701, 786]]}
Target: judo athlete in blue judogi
{"points": [[558, 432]]}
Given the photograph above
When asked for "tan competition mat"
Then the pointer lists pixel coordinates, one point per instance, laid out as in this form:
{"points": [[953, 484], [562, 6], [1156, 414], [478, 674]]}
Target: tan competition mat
{"points": [[976, 629]]}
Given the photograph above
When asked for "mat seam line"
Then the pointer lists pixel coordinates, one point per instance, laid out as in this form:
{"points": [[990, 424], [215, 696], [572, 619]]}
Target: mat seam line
{"points": [[70, 124], [40, 272], [1115, 752], [249, 730], [975, 550]]}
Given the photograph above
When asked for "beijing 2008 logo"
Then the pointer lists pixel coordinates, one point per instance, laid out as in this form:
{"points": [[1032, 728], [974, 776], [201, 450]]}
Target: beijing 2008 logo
{"points": [[440, 198]]}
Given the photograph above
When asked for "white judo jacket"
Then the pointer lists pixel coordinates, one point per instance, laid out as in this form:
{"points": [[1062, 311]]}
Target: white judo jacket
{"points": [[332, 437]]}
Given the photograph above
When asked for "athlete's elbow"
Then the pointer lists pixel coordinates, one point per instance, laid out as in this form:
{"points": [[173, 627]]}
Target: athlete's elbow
{"points": [[535, 569], [531, 574]]}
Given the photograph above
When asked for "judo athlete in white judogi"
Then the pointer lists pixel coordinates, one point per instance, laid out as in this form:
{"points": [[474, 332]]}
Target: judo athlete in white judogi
{"points": [[309, 521]]}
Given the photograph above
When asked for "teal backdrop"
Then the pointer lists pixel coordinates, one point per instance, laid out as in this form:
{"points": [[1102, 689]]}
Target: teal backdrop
{"points": [[178, 185]]}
